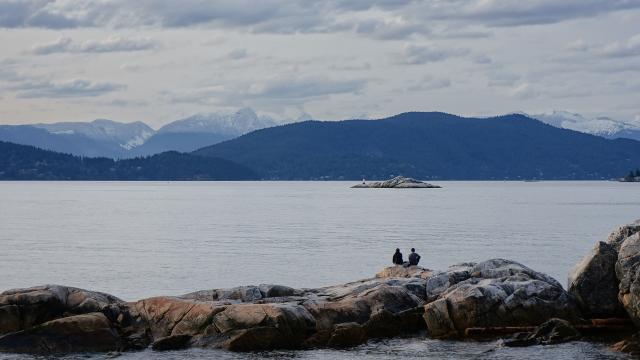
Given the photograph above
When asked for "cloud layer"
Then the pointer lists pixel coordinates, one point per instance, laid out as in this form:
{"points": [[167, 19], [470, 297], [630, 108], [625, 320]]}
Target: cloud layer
{"points": [[379, 18], [159, 60], [111, 44], [66, 89]]}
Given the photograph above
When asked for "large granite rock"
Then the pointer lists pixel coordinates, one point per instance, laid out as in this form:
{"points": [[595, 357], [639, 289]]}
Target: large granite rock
{"points": [[494, 293], [627, 268], [41, 312], [250, 327], [617, 237], [77, 333], [263, 317], [594, 284], [251, 318], [24, 308], [605, 282], [398, 182]]}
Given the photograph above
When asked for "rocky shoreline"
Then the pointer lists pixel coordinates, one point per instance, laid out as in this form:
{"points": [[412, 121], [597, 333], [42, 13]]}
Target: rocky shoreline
{"points": [[494, 298]]}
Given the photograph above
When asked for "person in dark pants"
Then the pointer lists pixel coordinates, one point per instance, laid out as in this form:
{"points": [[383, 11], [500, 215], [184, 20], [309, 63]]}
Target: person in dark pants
{"points": [[397, 257], [414, 258]]}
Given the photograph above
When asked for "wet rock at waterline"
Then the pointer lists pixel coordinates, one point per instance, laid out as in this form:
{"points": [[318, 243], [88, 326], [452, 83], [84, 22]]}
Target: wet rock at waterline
{"points": [[554, 331], [78, 333]]}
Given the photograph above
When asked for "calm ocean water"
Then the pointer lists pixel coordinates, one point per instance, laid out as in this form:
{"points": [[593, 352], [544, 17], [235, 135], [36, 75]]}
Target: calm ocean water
{"points": [[140, 239]]}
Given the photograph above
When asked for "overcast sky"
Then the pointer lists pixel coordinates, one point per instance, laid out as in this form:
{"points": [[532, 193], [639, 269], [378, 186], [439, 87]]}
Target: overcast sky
{"points": [[159, 60]]}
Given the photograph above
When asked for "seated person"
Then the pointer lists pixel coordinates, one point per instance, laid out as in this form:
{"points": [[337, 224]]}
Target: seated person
{"points": [[414, 258], [397, 257]]}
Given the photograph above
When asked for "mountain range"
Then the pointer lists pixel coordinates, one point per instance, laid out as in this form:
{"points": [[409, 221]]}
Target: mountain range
{"points": [[425, 145], [106, 138], [429, 146]]}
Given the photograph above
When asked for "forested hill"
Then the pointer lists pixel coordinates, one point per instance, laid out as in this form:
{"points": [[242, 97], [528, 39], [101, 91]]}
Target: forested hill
{"points": [[21, 162], [429, 146]]}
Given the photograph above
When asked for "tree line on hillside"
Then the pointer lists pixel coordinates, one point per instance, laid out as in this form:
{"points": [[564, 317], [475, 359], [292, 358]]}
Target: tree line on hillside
{"points": [[632, 176], [428, 146], [21, 162]]}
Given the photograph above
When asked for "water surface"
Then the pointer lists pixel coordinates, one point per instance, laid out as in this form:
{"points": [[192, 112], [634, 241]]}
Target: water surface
{"points": [[140, 239]]}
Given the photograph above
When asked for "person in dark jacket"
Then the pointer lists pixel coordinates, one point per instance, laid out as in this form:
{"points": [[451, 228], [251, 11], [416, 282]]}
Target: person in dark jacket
{"points": [[397, 257], [414, 258]]}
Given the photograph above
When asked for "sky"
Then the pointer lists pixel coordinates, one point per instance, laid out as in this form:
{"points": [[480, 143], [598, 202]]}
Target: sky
{"points": [[158, 60]]}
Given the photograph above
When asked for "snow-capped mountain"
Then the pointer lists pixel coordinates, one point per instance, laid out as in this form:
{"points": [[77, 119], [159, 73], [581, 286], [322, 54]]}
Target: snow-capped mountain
{"points": [[125, 135], [125, 140], [202, 130], [225, 123], [601, 126]]}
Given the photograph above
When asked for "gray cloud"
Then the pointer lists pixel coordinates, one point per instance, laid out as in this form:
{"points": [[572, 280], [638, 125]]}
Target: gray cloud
{"points": [[54, 14], [389, 30], [422, 54], [523, 91], [126, 103], [8, 71], [292, 89], [110, 44], [284, 16], [429, 82], [482, 59], [65, 89], [238, 54], [518, 12], [303, 87], [499, 77], [625, 49], [351, 67]]}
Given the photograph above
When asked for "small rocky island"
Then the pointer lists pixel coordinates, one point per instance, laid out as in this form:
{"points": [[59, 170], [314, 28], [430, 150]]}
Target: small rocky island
{"points": [[631, 177], [493, 298], [398, 182]]}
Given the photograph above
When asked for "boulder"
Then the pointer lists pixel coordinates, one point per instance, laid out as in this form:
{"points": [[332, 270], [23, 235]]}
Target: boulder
{"points": [[627, 268], [78, 333], [439, 282], [346, 335], [23, 308], [554, 331], [384, 308], [498, 293], [596, 280], [170, 316], [174, 342], [594, 284], [617, 237], [251, 327]]}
